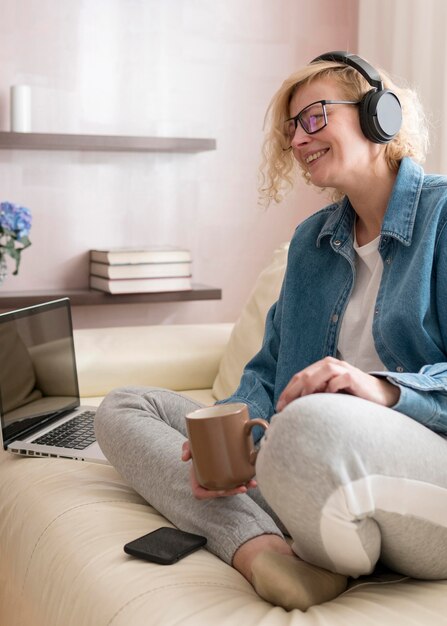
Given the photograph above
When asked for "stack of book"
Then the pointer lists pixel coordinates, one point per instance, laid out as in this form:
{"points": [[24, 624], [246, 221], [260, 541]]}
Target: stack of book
{"points": [[150, 270]]}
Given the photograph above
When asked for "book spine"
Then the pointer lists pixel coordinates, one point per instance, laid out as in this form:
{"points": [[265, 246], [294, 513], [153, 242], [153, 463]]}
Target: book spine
{"points": [[136, 285], [124, 257], [141, 270]]}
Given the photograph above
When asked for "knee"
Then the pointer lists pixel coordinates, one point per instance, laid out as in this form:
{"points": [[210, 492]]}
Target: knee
{"points": [[113, 401], [114, 409], [310, 424], [314, 432], [124, 398]]}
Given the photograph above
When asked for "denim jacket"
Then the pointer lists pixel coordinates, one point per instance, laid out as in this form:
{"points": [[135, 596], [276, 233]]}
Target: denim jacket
{"points": [[410, 316]]}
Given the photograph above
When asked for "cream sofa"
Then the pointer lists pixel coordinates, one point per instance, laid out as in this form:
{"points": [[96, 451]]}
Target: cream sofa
{"points": [[63, 523]]}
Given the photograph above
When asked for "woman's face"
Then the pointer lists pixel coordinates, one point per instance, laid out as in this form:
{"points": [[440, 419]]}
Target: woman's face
{"points": [[338, 155]]}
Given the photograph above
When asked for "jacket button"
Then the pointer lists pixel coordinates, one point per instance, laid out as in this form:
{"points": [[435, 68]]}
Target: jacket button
{"points": [[399, 369], [335, 319], [337, 242]]}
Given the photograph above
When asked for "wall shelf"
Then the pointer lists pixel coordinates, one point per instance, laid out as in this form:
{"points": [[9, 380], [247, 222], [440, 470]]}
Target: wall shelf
{"points": [[83, 297], [103, 143]]}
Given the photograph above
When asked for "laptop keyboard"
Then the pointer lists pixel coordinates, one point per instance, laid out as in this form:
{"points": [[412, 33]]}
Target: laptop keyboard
{"points": [[77, 433]]}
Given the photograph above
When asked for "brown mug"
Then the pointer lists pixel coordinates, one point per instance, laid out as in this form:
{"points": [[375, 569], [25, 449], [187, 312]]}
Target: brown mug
{"points": [[221, 443]]}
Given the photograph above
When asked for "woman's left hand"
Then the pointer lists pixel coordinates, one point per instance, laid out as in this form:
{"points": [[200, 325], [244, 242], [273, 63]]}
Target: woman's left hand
{"points": [[331, 375]]}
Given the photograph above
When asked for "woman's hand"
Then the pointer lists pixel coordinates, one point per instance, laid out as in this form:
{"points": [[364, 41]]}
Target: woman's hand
{"points": [[200, 492], [331, 375]]}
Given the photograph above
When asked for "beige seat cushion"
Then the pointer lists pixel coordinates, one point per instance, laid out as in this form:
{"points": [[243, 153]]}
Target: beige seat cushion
{"points": [[62, 531], [177, 357], [247, 334]]}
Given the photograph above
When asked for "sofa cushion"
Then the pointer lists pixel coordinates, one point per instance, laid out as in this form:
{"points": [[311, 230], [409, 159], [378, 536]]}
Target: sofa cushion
{"points": [[177, 357], [246, 337], [62, 530], [204, 396]]}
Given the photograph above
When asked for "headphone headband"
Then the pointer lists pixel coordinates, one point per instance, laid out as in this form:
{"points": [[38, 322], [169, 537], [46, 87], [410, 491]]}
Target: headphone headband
{"points": [[366, 70]]}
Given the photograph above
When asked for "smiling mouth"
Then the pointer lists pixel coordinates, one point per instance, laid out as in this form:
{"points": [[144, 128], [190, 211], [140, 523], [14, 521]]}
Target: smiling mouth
{"points": [[314, 156]]}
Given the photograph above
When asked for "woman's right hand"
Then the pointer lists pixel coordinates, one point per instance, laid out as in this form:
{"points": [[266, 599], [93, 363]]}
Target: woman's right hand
{"points": [[200, 492]]}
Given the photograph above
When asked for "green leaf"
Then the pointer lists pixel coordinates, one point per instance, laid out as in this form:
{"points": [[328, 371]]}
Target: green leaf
{"points": [[25, 242]]}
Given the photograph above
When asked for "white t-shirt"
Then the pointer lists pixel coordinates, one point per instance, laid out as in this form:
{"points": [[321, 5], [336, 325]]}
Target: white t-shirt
{"points": [[356, 343]]}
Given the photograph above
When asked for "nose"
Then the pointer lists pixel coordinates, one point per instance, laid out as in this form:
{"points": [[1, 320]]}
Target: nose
{"points": [[300, 137]]}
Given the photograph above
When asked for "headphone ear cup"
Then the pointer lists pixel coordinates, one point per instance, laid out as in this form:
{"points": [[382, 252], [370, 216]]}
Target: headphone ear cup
{"points": [[380, 115], [365, 122]]}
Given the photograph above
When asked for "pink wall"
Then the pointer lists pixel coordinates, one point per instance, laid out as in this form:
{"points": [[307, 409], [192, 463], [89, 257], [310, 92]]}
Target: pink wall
{"points": [[178, 68]]}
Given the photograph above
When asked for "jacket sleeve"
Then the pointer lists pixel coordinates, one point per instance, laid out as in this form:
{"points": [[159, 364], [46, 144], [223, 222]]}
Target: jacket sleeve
{"points": [[257, 384], [423, 396]]}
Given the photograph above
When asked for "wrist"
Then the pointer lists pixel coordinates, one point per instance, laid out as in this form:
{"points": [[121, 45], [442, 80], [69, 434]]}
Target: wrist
{"points": [[392, 393]]}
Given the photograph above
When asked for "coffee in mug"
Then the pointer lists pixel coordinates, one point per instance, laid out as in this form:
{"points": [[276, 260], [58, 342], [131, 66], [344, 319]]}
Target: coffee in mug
{"points": [[221, 443]]}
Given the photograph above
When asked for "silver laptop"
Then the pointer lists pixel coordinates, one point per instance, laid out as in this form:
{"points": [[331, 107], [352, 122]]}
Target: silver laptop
{"points": [[40, 408]]}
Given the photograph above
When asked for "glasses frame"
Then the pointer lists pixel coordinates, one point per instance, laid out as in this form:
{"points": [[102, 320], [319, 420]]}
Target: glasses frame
{"points": [[298, 117]]}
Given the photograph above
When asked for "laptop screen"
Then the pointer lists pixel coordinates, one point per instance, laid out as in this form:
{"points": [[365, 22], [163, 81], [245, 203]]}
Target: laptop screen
{"points": [[38, 378]]}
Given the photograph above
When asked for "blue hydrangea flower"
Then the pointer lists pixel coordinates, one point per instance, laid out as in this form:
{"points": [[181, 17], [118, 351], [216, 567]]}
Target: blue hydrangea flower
{"points": [[15, 219], [15, 224]]}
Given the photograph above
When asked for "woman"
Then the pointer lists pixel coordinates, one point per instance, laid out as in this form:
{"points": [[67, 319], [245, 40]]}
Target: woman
{"points": [[353, 466]]}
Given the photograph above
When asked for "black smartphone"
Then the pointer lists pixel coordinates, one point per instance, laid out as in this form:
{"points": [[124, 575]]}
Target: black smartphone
{"points": [[165, 545]]}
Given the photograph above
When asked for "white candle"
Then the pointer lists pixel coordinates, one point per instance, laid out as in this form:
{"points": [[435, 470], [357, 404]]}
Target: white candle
{"points": [[21, 108]]}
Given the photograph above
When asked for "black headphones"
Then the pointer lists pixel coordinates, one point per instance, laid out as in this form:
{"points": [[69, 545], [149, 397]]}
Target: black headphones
{"points": [[380, 110]]}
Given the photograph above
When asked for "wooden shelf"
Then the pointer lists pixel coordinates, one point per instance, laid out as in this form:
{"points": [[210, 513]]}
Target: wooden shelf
{"points": [[83, 297], [103, 143]]}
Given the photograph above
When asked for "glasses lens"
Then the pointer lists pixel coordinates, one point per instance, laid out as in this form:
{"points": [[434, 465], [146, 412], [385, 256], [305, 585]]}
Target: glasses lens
{"points": [[289, 131], [313, 118]]}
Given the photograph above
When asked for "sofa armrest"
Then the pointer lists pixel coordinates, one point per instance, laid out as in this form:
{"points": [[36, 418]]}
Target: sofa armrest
{"points": [[177, 357]]}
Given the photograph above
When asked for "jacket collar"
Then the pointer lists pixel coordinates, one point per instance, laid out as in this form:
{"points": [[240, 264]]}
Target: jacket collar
{"points": [[400, 215]]}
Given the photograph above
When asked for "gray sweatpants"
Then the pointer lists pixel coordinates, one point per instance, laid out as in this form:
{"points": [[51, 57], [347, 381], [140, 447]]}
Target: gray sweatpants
{"points": [[351, 481]]}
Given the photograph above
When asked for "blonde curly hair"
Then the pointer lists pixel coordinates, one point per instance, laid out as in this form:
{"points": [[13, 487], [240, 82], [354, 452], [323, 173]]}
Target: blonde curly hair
{"points": [[278, 165]]}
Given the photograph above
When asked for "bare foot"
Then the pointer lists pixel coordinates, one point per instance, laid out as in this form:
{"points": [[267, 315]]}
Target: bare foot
{"points": [[287, 581], [282, 578]]}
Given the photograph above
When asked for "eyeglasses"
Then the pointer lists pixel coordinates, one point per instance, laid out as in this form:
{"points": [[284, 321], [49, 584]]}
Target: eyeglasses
{"points": [[312, 118]]}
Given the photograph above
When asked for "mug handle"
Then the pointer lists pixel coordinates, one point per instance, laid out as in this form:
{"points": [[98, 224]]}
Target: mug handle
{"points": [[248, 428]]}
